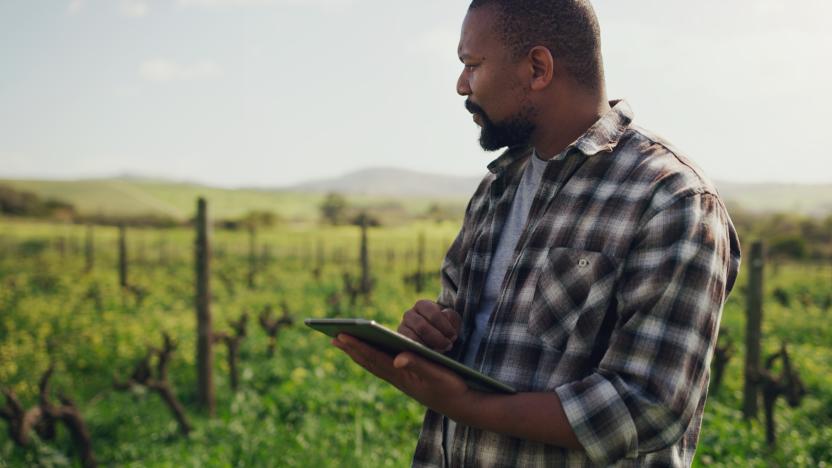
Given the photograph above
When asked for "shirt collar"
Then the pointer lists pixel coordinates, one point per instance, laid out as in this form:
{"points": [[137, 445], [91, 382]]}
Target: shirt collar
{"points": [[510, 156], [602, 136]]}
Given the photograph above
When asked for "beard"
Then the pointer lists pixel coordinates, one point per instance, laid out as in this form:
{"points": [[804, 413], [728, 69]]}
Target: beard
{"points": [[516, 130]]}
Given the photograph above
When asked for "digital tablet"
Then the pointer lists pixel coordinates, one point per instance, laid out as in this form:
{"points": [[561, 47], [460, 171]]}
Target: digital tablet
{"points": [[394, 343]]}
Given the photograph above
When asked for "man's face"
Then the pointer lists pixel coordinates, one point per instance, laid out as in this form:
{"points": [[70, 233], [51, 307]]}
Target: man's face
{"points": [[492, 82]]}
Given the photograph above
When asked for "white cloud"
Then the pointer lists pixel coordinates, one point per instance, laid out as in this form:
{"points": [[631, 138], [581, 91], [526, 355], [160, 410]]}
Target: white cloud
{"points": [[163, 71], [15, 164], [221, 3], [326, 4], [321, 3], [126, 90], [134, 8], [442, 42], [75, 6], [435, 49]]}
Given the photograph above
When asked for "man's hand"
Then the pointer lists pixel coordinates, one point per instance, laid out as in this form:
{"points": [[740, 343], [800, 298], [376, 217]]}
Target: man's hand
{"points": [[430, 384], [430, 324], [534, 416]]}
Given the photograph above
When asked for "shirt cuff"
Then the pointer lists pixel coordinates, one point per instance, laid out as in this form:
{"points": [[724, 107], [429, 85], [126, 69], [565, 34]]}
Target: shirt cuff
{"points": [[599, 419]]}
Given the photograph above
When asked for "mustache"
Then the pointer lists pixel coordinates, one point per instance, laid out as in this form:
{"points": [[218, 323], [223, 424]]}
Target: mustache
{"points": [[474, 108]]}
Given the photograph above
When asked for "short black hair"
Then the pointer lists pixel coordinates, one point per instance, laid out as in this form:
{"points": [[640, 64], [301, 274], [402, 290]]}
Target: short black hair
{"points": [[568, 28]]}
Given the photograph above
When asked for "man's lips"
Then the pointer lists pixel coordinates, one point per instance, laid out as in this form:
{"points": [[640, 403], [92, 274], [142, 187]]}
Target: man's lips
{"points": [[475, 110]]}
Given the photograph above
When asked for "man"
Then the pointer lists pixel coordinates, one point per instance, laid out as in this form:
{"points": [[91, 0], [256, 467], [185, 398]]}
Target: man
{"points": [[589, 273]]}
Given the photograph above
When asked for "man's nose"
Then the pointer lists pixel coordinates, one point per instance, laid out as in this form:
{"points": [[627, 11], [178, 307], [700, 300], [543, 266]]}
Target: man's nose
{"points": [[462, 87]]}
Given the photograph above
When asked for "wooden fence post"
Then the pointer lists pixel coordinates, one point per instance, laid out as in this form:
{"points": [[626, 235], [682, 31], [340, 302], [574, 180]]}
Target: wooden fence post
{"points": [[753, 325], [366, 285], [420, 263], [204, 352], [60, 243], [122, 255], [89, 249], [142, 250], [319, 254], [252, 255], [319, 261], [161, 246]]}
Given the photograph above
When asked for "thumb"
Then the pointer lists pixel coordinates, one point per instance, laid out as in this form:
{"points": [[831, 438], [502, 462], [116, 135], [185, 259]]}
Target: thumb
{"points": [[411, 362], [418, 365], [404, 360]]}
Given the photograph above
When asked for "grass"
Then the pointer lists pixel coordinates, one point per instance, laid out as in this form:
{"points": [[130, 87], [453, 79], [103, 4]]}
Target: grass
{"points": [[308, 405]]}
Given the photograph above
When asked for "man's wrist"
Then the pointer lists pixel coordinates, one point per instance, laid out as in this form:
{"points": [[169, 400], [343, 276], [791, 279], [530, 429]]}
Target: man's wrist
{"points": [[533, 416], [470, 408]]}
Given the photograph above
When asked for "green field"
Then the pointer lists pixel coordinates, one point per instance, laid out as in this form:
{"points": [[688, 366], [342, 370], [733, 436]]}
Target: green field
{"points": [[307, 405]]}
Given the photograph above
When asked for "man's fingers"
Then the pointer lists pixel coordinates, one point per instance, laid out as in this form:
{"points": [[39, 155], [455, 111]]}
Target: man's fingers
{"points": [[368, 357], [406, 331], [426, 371], [433, 314], [453, 318], [425, 333]]}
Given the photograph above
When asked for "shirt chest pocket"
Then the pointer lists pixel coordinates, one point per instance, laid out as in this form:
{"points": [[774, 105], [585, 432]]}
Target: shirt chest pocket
{"points": [[573, 292]]}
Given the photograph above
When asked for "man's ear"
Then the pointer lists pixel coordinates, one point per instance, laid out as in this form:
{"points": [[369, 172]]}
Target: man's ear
{"points": [[543, 67]]}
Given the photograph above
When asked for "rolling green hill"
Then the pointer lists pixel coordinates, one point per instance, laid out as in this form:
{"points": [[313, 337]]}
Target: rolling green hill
{"points": [[128, 197], [389, 190], [133, 197]]}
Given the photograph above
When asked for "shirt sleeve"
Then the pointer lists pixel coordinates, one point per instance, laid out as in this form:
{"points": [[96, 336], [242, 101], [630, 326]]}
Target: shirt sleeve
{"points": [[650, 381]]}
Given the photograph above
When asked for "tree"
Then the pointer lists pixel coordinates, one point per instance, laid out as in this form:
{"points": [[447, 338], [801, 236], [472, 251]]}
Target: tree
{"points": [[19, 203], [444, 212], [364, 218], [260, 218], [334, 208], [793, 247]]}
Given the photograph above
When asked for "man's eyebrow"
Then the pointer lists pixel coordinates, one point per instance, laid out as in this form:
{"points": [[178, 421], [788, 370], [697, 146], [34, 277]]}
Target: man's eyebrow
{"points": [[464, 57]]}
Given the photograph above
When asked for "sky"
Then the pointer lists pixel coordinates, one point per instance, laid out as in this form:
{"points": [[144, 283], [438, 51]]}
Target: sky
{"points": [[274, 92]]}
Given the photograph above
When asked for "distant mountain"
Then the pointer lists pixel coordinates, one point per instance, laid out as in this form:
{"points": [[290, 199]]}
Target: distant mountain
{"points": [[393, 182], [412, 190], [807, 199], [135, 196]]}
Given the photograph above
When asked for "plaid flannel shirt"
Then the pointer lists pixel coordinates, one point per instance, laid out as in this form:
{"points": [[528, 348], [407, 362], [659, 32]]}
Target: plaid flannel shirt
{"points": [[613, 300]]}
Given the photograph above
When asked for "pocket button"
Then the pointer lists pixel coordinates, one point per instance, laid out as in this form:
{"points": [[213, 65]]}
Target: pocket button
{"points": [[583, 263]]}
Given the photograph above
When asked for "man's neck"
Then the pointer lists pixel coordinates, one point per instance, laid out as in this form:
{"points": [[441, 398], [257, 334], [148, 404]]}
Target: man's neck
{"points": [[566, 123]]}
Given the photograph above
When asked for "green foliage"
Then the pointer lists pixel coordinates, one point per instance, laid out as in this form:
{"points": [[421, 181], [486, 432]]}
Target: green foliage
{"points": [[793, 312], [789, 236], [306, 406], [137, 220], [334, 209], [253, 220], [309, 405], [365, 218], [793, 247], [443, 212]]}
